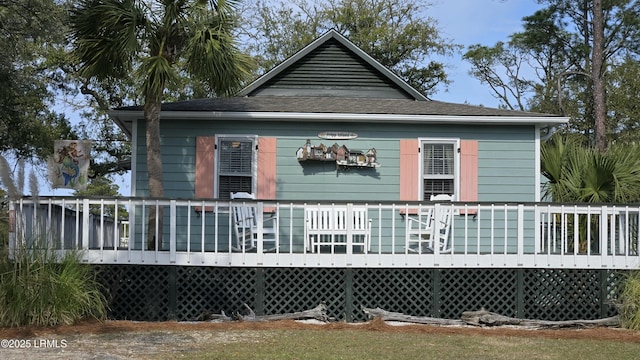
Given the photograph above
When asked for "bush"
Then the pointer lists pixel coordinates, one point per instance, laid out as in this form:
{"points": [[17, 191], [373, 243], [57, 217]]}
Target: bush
{"points": [[37, 288], [630, 302]]}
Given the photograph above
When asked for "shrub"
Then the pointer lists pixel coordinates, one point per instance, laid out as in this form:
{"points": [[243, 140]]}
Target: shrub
{"points": [[630, 302], [37, 288]]}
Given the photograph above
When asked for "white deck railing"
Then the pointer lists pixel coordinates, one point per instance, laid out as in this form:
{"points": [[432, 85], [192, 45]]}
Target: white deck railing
{"points": [[199, 232]]}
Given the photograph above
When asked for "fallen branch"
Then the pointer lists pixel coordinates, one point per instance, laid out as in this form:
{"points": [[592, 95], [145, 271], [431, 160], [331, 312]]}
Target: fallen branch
{"points": [[318, 313], [486, 318], [209, 316], [393, 316]]}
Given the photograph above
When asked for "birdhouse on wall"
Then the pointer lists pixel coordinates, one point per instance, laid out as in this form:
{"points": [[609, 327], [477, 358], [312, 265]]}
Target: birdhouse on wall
{"points": [[342, 154], [343, 157], [371, 156]]}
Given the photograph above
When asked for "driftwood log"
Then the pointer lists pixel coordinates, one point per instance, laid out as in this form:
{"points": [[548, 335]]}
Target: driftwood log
{"points": [[318, 313], [394, 316], [473, 318], [487, 318], [209, 316]]}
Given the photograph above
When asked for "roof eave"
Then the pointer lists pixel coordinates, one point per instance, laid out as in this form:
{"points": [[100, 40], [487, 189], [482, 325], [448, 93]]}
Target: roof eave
{"points": [[123, 116]]}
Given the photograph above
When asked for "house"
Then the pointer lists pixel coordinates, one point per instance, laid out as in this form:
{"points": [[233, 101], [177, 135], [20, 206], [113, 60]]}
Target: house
{"points": [[343, 167], [331, 87]]}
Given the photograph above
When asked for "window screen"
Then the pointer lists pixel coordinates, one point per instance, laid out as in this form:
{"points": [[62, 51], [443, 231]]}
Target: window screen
{"points": [[235, 171], [438, 170]]}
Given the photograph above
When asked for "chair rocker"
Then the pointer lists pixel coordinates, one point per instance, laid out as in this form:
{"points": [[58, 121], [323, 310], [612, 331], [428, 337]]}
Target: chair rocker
{"points": [[246, 218], [430, 227]]}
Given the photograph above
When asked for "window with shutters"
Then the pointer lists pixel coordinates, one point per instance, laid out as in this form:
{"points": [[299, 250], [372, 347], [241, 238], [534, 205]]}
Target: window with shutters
{"points": [[236, 162], [439, 167]]}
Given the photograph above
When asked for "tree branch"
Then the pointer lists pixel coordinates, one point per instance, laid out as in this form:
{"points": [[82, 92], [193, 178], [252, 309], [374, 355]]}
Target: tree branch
{"points": [[559, 81], [102, 103]]}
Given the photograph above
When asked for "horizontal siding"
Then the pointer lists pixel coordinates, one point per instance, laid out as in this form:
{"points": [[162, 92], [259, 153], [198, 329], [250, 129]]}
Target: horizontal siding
{"points": [[505, 160], [506, 170], [332, 70]]}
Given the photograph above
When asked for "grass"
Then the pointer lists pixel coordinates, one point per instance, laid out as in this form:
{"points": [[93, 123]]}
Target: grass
{"points": [[350, 344]]}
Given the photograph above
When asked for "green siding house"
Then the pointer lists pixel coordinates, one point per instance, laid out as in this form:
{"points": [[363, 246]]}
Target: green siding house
{"points": [[423, 147]]}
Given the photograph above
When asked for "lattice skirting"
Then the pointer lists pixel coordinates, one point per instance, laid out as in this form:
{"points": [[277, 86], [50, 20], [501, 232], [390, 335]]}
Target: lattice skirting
{"points": [[155, 293]]}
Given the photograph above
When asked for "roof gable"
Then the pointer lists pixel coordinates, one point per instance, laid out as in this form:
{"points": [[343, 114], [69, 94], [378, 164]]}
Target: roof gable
{"points": [[332, 66]]}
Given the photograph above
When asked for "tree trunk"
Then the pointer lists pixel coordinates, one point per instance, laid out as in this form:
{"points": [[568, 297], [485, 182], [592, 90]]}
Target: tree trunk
{"points": [[597, 75], [154, 170]]}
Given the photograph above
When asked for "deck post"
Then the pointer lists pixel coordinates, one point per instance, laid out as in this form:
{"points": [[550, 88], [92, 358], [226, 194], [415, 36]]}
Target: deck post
{"points": [[603, 275], [435, 285], [172, 292], [172, 232], [260, 230], [521, 233], [259, 305], [348, 294], [86, 228], [604, 232], [520, 293], [435, 237]]}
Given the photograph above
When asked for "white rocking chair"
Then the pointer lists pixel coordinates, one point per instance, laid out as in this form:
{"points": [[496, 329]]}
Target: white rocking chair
{"points": [[246, 217], [430, 227]]}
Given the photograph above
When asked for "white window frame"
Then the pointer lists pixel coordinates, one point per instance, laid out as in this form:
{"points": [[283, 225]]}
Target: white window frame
{"points": [[254, 161], [456, 165]]}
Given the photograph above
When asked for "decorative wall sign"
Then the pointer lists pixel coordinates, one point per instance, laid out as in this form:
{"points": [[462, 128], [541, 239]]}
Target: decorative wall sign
{"points": [[69, 165], [341, 155], [337, 135]]}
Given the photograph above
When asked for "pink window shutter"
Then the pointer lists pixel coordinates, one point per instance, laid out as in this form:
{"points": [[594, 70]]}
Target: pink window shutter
{"points": [[205, 168], [469, 172], [409, 177], [267, 148], [409, 166]]}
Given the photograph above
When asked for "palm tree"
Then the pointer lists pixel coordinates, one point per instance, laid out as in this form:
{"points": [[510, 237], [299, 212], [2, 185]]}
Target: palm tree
{"points": [[158, 41], [576, 173], [579, 174]]}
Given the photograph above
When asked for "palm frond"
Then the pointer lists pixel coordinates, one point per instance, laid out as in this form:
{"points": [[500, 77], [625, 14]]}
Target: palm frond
{"points": [[627, 172], [106, 35], [211, 53], [598, 184], [555, 165], [157, 72]]}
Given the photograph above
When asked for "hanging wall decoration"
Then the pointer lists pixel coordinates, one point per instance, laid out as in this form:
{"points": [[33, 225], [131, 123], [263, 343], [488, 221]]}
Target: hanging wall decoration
{"points": [[69, 165], [340, 154]]}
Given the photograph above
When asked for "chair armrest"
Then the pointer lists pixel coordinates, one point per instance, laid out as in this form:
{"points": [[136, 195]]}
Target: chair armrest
{"points": [[425, 220]]}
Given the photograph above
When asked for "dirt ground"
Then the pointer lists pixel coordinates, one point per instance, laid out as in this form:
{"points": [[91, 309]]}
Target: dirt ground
{"points": [[127, 339]]}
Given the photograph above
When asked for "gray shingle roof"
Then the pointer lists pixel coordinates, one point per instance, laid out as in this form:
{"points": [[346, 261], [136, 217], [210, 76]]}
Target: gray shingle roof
{"points": [[330, 105], [325, 97]]}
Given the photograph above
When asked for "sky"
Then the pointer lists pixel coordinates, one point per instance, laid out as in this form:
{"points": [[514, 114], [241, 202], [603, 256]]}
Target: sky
{"points": [[469, 22], [464, 22]]}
